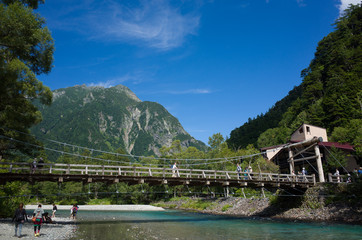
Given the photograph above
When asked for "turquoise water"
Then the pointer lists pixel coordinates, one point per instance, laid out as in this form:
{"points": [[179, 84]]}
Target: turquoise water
{"points": [[189, 225]]}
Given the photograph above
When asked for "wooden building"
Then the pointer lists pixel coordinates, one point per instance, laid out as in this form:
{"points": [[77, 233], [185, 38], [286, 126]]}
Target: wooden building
{"points": [[308, 149]]}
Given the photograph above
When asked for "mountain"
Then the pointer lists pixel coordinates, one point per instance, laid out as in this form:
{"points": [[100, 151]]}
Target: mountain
{"points": [[330, 95], [250, 131], [109, 119]]}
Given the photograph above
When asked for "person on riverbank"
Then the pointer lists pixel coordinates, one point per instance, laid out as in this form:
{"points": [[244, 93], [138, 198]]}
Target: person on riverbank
{"points": [[54, 210], [73, 211], [239, 170], [38, 214], [19, 218]]}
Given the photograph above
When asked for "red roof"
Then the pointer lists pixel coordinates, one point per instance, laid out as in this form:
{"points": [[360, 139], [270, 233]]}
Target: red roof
{"points": [[345, 146]]}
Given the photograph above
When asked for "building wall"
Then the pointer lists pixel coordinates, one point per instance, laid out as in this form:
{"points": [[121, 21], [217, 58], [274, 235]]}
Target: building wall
{"points": [[306, 132]]}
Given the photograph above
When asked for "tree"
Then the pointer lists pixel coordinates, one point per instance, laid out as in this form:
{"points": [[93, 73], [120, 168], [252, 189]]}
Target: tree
{"points": [[274, 136], [351, 133], [215, 141], [26, 50]]}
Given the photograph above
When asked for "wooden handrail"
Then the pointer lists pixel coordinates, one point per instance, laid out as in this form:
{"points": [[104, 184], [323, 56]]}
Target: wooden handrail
{"points": [[89, 169]]}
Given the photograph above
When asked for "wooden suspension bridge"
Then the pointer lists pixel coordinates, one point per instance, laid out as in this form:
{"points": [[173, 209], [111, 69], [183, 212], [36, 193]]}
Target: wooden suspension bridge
{"points": [[58, 172]]}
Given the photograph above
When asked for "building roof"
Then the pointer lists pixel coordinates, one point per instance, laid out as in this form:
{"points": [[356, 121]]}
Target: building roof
{"points": [[344, 146]]}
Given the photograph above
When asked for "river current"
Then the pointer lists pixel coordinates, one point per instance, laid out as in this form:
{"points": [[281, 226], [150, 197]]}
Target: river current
{"points": [[179, 225]]}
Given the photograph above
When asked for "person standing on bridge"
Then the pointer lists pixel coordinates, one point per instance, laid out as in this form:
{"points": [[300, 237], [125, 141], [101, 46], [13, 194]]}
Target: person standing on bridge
{"points": [[40, 164], [33, 165], [239, 170], [174, 169], [337, 174]]}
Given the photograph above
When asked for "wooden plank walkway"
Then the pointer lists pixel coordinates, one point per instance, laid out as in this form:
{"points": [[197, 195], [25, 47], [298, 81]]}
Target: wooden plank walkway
{"points": [[152, 175]]}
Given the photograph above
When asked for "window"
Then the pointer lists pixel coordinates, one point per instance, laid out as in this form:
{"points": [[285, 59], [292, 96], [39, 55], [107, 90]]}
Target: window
{"points": [[308, 129], [301, 130]]}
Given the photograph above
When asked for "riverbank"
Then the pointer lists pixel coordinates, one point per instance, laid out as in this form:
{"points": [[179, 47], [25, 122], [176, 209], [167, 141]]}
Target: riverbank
{"points": [[61, 228], [308, 209], [101, 207]]}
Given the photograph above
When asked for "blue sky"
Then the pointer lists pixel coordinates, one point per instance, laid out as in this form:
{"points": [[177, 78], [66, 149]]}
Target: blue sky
{"points": [[212, 64]]}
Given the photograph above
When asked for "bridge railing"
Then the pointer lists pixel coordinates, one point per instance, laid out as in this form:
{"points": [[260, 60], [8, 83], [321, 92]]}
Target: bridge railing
{"points": [[86, 169], [338, 178]]}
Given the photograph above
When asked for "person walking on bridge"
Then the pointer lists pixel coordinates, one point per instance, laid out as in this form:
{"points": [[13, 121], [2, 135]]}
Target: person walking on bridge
{"points": [[174, 169]]}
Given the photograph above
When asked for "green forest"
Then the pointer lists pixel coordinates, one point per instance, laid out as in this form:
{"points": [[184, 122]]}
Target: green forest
{"points": [[330, 96]]}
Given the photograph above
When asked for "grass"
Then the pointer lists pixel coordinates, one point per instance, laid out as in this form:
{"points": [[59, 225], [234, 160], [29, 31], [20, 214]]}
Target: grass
{"points": [[226, 207]]}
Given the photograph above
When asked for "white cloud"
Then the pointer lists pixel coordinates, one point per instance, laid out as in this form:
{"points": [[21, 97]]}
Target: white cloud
{"points": [[152, 23], [135, 78], [180, 92], [188, 91], [344, 4]]}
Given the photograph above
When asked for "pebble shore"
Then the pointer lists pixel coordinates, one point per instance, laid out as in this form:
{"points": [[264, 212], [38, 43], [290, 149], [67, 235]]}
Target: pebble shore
{"points": [[61, 228]]}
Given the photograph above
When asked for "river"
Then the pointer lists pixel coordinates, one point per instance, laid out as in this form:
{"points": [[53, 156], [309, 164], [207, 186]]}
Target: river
{"points": [[179, 225]]}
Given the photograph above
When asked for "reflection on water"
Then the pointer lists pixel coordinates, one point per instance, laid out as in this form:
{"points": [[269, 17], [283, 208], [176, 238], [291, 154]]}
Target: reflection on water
{"points": [[187, 225]]}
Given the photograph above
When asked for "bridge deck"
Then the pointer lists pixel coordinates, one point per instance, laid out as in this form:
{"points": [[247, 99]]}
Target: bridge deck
{"points": [[151, 175]]}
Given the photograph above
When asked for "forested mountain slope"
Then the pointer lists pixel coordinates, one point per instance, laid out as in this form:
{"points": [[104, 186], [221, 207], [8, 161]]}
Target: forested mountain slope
{"points": [[330, 95], [109, 119]]}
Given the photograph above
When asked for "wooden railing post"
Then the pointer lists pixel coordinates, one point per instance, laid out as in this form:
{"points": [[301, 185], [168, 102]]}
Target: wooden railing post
{"points": [[102, 169], [330, 177], [51, 168], [68, 170]]}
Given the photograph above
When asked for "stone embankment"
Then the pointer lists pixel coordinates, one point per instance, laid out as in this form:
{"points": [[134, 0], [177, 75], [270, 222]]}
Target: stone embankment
{"points": [[310, 208]]}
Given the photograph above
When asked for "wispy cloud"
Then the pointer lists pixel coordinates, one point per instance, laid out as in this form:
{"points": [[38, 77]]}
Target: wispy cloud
{"points": [[151, 23], [135, 78], [344, 4], [180, 92], [301, 3], [188, 91]]}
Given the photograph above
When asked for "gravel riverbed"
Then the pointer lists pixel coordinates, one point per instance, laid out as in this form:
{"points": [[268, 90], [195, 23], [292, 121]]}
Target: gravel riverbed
{"points": [[61, 228]]}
